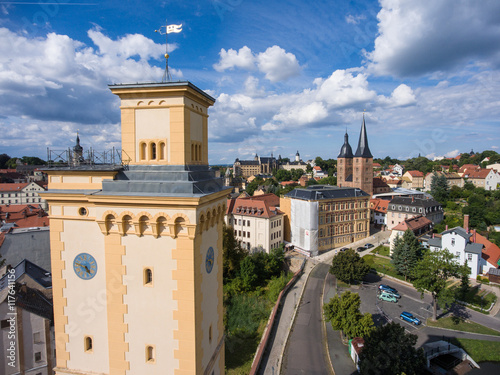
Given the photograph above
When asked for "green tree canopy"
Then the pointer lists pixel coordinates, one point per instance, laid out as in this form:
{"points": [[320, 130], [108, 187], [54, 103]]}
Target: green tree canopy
{"points": [[348, 266], [439, 188], [432, 273], [283, 175], [406, 253], [4, 158], [232, 253], [389, 350], [344, 315]]}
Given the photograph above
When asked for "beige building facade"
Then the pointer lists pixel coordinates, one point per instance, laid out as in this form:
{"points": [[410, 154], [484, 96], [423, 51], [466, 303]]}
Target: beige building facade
{"points": [[137, 250]]}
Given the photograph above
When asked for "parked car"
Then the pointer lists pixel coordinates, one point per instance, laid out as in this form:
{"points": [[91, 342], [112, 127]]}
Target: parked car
{"points": [[368, 246], [344, 249], [395, 294], [389, 297], [409, 318], [387, 288], [361, 248]]}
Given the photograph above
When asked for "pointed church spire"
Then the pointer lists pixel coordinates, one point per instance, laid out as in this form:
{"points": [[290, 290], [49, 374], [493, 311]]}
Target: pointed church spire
{"points": [[346, 150], [363, 150]]}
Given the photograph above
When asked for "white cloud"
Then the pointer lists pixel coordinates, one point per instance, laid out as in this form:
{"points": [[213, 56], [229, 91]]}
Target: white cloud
{"points": [[275, 63], [230, 59], [419, 37], [402, 96], [452, 154], [354, 20]]}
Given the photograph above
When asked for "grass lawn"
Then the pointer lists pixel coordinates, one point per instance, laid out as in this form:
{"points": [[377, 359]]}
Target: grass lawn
{"points": [[462, 326], [476, 297], [382, 265], [480, 350], [381, 250]]}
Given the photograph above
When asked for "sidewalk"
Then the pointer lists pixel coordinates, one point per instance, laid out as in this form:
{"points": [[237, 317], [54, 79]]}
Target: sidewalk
{"points": [[271, 362]]}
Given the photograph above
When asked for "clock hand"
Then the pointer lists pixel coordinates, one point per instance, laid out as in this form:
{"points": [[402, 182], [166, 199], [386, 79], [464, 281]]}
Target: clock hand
{"points": [[83, 266]]}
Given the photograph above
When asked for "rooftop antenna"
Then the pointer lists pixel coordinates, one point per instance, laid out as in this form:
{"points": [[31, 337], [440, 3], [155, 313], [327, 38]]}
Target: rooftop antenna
{"points": [[165, 30]]}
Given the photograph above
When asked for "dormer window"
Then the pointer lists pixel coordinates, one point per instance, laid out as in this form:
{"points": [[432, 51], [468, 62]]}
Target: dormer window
{"points": [[452, 242]]}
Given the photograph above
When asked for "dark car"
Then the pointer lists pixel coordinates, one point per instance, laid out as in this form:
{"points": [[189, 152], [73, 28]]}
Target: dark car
{"points": [[368, 246], [344, 249], [409, 318], [361, 248]]}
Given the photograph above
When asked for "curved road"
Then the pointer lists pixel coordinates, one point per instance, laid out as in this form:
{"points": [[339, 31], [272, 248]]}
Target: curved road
{"points": [[305, 352]]}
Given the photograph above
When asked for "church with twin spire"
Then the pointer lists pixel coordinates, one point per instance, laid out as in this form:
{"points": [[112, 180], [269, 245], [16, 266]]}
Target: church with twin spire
{"points": [[356, 170]]}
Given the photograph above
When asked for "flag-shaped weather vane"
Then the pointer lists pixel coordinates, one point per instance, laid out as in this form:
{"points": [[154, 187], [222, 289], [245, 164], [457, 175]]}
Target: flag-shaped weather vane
{"points": [[165, 30]]}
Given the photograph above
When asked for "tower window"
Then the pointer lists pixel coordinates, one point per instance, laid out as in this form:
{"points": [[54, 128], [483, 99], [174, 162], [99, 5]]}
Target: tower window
{"points": [[148, 277], [87, 344], [153, 151], [82, 211], [150, 354]]}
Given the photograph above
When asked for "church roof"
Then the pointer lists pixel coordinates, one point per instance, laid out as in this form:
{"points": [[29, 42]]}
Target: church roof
{"points": [[346, 150], [363, 149]]}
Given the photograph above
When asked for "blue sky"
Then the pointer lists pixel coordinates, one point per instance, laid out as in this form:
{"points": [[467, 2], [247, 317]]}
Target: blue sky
{"points": [[287, 75]]}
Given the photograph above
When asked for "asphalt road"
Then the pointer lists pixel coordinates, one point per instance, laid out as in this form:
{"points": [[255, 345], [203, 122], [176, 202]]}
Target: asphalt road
{"points": [[305, 352]]}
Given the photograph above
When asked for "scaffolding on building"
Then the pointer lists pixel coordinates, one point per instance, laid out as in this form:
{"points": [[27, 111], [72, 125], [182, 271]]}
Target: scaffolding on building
{"points": [[90, 158]]}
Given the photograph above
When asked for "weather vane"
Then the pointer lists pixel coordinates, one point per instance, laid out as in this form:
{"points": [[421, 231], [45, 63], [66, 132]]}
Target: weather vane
{"points": [[165, 30]]}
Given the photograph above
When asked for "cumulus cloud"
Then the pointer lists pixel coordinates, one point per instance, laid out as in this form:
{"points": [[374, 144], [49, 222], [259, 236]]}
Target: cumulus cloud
{"points": [[230, 59], [275, 63], [402, 96], [420, 37]]}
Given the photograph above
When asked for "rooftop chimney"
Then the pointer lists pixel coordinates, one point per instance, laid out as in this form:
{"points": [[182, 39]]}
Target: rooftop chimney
{"points": [[446, 227], [466, 223]]}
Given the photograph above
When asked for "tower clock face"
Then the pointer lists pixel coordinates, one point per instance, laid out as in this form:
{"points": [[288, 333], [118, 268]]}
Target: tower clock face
{"points": [[209, 260], [85, 266]]}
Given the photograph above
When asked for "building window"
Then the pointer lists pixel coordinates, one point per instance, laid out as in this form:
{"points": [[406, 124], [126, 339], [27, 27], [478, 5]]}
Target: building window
{"points": [[148, 277], [82, 211], [150, 354], [37, 338], [457, 254], [38, 356], [469, 257], [87, 344]]}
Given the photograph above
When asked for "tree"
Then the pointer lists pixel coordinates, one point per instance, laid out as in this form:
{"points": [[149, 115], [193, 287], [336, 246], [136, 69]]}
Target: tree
{"points": [[252, 186], [4, 158], [296, 174], [283, 175], [348, 266], [439, 188], [406, 253], [248, 274], [390, 350], [232, 253], [344, 315], [432, 273]]}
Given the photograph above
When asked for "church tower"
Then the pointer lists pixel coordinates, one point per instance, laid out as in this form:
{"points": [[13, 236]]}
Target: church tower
{"points": [[356, 170], [136, 247], [362, 174], [344, 164]]}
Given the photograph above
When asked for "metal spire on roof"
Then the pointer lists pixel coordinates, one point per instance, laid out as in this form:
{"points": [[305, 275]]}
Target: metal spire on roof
{"points": [[167, 30], [363, 150]]}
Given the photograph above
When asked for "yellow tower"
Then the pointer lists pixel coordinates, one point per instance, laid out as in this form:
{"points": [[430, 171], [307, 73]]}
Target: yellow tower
{"points": [[137, 248]]}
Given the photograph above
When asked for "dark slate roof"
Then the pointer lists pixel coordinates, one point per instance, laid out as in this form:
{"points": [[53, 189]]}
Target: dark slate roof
{"points": [[321, 192], [417, 202], [458, 230], [249, 162], [363, 149], [41, 276], [494, 271], [436, 242], [34, 301], [346, 150], [475, 248]]}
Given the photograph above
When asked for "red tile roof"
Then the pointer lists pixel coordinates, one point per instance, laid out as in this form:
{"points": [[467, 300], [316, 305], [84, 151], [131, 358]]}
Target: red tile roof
{"points": [[465, 167], [24, 215], [13, 187], [482, 173], [316, 168], [415, 173], [491, 252], [259, 206], [413, 224], [379, 205]]}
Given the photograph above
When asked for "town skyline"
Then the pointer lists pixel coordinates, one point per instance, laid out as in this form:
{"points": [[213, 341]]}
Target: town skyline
{"points": [[286, 76]]}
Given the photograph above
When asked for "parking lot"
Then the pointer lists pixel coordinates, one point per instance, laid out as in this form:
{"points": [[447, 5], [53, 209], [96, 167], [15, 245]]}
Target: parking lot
{"points": [[383, 311]]}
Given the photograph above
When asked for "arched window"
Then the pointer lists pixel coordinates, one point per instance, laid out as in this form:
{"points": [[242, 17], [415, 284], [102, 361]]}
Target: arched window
{"points": [[110, 222], [162, 151], [87, 342], [150, 354], [148, 277], [144, 224], [142, 151], [152, 151]]}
